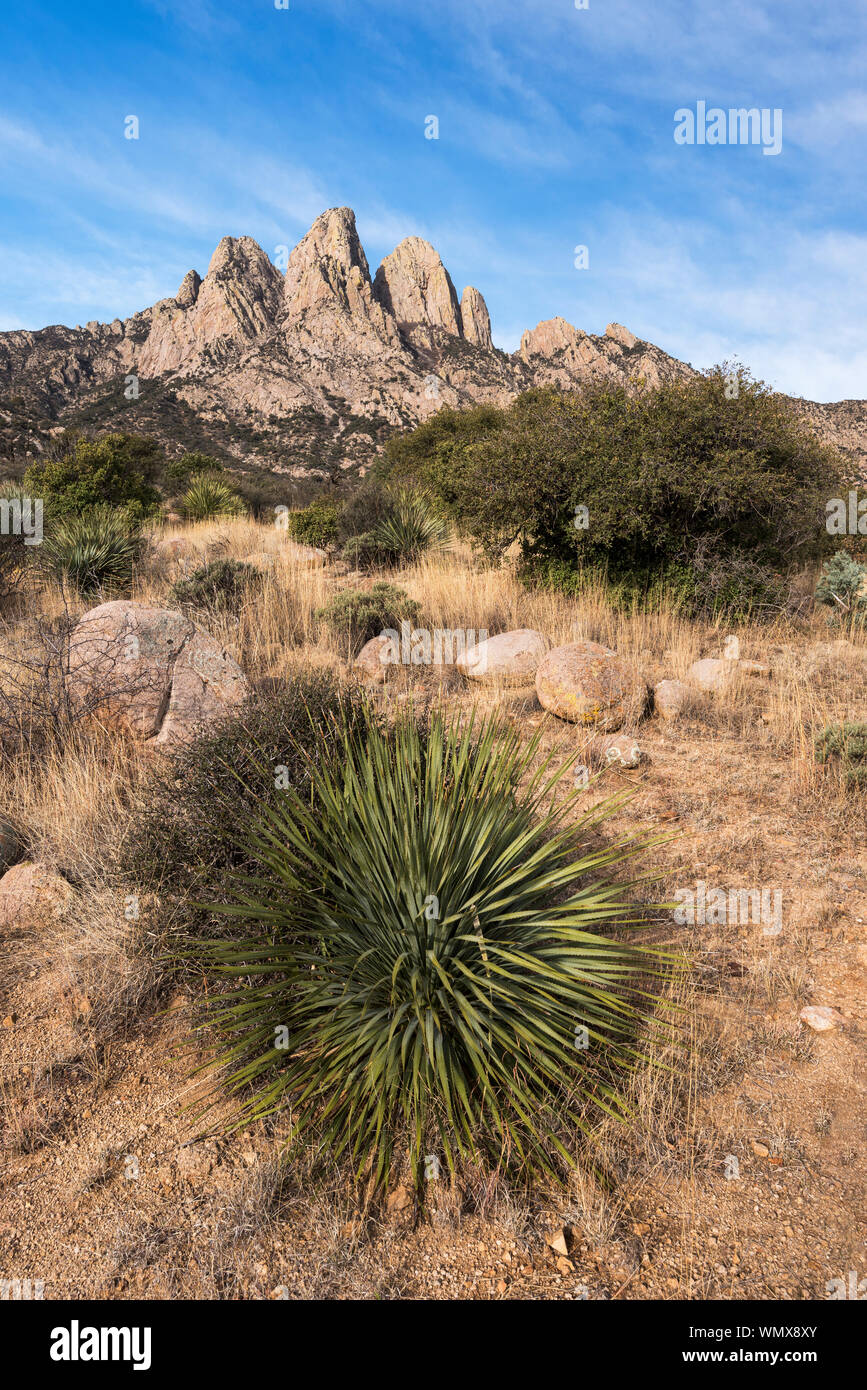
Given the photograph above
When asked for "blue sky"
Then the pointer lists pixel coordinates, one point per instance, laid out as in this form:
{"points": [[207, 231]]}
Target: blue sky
{"points": [[555, 130]]}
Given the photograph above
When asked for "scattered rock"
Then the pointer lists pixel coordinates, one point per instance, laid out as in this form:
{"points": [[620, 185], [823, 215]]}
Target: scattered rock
{"points": [[712, 673], [510, 658], [150, 672], [670, 698], [558, 1241], [760, 1150], [400, 1201], [371, 662], [589, 684], [32, 895], [816, 1016], [620, 749]]}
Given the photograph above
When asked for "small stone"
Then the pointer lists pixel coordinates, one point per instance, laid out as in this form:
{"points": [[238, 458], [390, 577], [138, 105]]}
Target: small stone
{"points": [[670, 698], [565, 1266], [821, 1018], [558, 1241], [760, 1150]]}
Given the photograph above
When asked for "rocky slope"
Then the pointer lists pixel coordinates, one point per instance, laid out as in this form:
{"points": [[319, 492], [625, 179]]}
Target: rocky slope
{"points": [[308, 372]]}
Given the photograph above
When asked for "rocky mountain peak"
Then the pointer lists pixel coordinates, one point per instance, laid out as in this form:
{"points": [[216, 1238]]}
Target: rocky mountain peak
{"points": [[475, 318], [413, 285], [189, 290], [549, 336], [328, 275]]}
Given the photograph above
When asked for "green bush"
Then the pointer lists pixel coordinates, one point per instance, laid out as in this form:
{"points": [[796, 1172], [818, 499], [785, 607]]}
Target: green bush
{"points": [[316, 524], [442, 961], [116, 470], [356, 615], [180, 471], [847, 744], [841, 583], [210, 496], [715, 473], [222, 585], [96, 551], [185, 836]]}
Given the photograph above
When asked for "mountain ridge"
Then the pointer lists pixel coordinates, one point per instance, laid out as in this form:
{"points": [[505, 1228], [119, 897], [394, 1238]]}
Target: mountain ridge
{"points": [[307, 372]]}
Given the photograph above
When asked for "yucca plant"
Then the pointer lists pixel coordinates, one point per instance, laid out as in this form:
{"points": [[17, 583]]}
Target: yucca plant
{"points": [[95, 551], [210, 496], [410, 528], [429, 958]]}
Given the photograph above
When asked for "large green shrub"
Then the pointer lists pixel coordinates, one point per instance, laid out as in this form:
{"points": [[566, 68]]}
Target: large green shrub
{"points": [[315, 524], [115, 470], [356, 615], [441, 965], [180, 472], [96, 551], [715, 473]]}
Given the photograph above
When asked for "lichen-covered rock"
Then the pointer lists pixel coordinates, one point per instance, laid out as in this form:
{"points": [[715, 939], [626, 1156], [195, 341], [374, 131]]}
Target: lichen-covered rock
{"points": [[589, 684], [150, 672], [510, 658]]}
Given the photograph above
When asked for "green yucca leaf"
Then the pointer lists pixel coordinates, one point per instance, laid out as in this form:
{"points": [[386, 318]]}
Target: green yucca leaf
{"points": [[211, 496], [96, 551], [433, 936]]}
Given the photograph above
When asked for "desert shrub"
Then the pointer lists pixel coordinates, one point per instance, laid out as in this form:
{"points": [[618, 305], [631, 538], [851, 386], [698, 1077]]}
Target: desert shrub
{"points": [[210, 496], [716, 466], [180, 471], [845, 744], [221, 584], [116, 470], [841, 585], [439, 944], [186, 835], [95, 551], [356, 615], [316, 524]]}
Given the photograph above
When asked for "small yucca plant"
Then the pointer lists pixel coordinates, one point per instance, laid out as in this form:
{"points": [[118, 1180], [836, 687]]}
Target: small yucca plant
{"points": [[95, 551], [429, 959], [411, 528], [209, 496]]}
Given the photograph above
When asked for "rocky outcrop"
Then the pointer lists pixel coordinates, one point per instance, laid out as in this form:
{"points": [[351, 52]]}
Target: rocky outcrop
{"points": [[414, 287], [310, 371], [327, 287], [475, 318], [150, 672], [32, 895]]}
